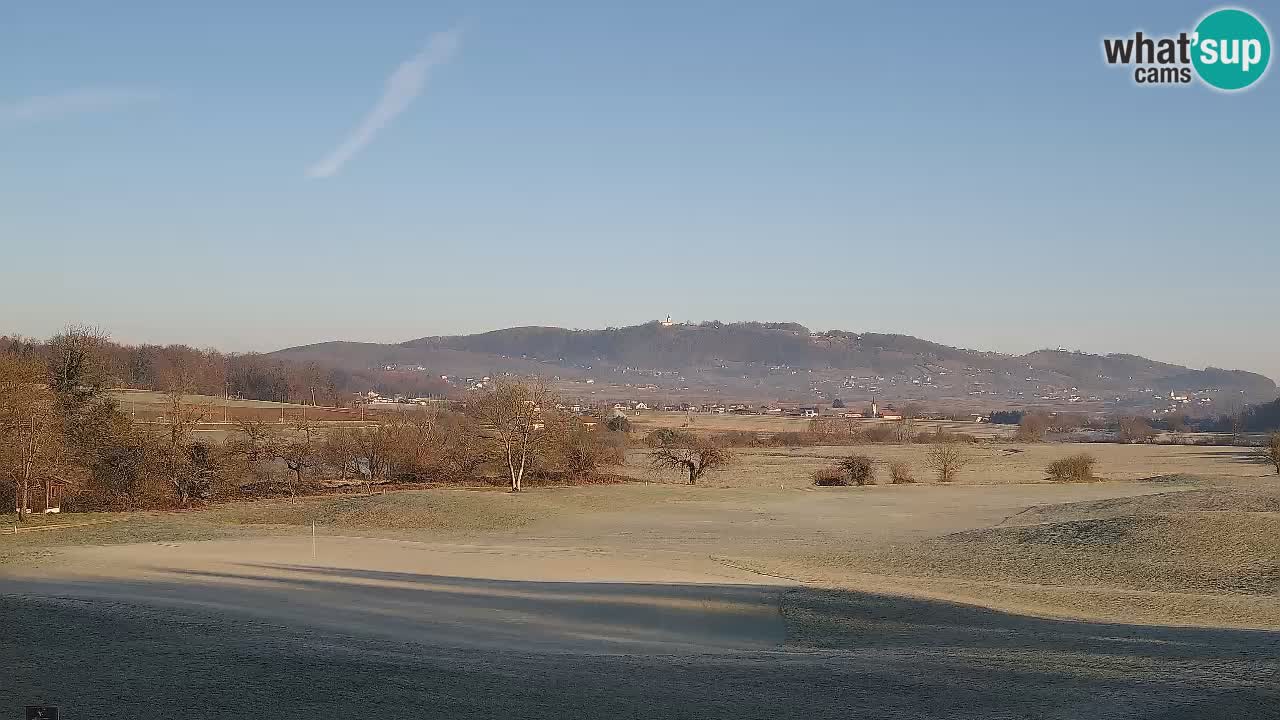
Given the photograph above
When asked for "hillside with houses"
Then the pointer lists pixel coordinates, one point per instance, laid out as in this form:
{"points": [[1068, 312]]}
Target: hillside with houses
{"points": [[665, 361]]}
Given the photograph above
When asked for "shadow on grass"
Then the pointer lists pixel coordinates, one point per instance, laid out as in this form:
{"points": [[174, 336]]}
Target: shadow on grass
{"points": [[296, 641]]}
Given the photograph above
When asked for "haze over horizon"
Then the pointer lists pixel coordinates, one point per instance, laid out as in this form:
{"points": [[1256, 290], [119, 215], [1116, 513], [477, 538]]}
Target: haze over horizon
{"points": [[384, 172]]}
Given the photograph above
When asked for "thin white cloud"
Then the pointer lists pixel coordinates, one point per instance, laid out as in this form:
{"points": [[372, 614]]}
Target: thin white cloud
{"points": [[402, 87], [71, 102]]}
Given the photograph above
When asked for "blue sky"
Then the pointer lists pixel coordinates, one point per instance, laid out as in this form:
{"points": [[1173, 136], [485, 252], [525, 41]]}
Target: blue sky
{"points": [[975, 175]]}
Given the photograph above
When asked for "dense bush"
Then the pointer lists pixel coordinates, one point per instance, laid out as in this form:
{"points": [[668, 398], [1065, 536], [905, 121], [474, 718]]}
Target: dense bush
{"points": [[662, 436], [831, 476], [793, 439], [877, 434], [580, 452], [860, 469], [1074, 468], [852, 470], [743, 438]]}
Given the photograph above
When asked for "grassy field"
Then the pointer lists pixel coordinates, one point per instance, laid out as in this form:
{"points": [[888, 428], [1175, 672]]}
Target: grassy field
{"points": [[1002, 595], [413, 514], [149, 405]]}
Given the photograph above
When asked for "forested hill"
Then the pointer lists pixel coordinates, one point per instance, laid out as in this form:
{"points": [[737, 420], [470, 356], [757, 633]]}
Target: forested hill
{"points": [[770, 356]]}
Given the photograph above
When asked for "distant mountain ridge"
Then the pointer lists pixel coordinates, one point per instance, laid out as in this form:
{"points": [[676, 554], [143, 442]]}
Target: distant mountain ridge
{"points": [[787, 360]]}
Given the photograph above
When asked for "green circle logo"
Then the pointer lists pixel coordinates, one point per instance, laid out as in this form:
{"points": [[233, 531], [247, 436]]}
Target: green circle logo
{"points": [[1232, 49]]}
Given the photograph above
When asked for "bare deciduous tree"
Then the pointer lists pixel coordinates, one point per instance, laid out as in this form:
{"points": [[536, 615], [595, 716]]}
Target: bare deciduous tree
{"points": [[299, 451], [580, 451], [1033, 426], [460, 449], [512, 412], [32, 451], [421, 441], [1270, 451], [689, 453], [254, 442], [376, 449], [905, 430], [179, 460], [340, 451], [77, 362], [1238, 423], [119, 469], [947, 460], [313, 380], [1135, 430]]}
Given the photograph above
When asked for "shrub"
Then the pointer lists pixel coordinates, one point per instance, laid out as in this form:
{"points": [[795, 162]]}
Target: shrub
{"points": [[580, 452], [739, 438], [662, 437], [859, 469], [831, 476], [618, 423], [877, 434], [900, 472], [792, 439], [1074, 468]]}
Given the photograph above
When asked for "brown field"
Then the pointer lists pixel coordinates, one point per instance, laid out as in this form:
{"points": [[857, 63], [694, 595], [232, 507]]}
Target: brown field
{"points": [[1154, 592], [220, 416], [149, 405], [154, 398], [989, 463], [715, 422]]}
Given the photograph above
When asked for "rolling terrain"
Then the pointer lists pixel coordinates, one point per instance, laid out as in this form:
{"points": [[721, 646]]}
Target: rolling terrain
{"points": [[1121, 599]]}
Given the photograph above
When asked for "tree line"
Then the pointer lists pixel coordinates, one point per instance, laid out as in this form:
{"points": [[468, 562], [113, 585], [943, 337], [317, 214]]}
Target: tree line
{"points": [[60, 428], [494, 434], [1035, 425], [102, 362]]}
